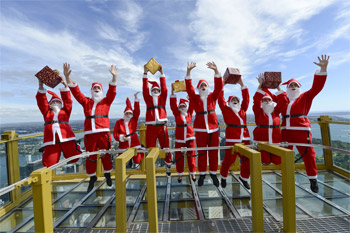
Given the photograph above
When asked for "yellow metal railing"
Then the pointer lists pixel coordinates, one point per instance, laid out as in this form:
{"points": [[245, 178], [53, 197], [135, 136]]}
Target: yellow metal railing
{"points": [[288, 183]]}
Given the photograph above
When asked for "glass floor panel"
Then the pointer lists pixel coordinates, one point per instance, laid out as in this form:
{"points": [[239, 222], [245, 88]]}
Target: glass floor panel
{"points": [[83, 186], [272, 177], [324, 190], [185, 180], [14, 219], [181, 192], [244, 207], [100, 197], [108, 218], [81, 217], [277, 207], [55, 196], [28, 227], [135, 184], [28, 204], [161, 192], [62, 187], [208, 191], [326, 176], [216, 209], [343, 202], [182, 210], [342, 185], [131, 196], [142, 212], [299, 178], [161, 181], [298, 191], [70, 200], [317, 207], [236, 190], [229, 178], [269, 192]]}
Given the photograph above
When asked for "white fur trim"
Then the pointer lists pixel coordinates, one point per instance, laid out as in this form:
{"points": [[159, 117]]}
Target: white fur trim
{"points": [[245, 179], [63, 140], [180, 174], [312, 177], [97, 131], [121, 137], [173, 96], [203, 173], [169, 164], [212, 172], [92, 174], [280, 92], [261, 91], [42, 91], [188, 77], [317, 72], [296, 128], [137, 100], [162, 76], [244, 87], [112, 83], [73, 85], [223, 177], [184, 141], [192, 173], [144, 76], [155, 122], [109, 171], [62, 89], [205, 130], [217, 75]]}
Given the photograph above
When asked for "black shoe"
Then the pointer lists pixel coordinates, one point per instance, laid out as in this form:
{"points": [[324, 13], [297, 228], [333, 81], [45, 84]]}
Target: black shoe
{"points": [[108, 178], [179, 179], [245, 183], [193, 178], [168, 170], [215, 180], [223, 183], [91, 183], [201, 180], [314, 185]]}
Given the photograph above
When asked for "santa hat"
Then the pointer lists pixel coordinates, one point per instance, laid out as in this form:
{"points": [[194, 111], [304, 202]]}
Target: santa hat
{"points": [[128, 106], [231, 97], [291, 81], [266, 96], [96, 84], [183, 102], [154, 85], [202, 81], [54, 97]]}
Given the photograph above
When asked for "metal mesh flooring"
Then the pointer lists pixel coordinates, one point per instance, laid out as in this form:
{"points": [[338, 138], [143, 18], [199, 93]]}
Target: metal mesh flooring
{"points": [[330, 224]]}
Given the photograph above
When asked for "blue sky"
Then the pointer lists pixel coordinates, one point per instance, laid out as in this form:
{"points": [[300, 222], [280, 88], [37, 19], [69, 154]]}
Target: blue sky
{"points": [[255, 36]]}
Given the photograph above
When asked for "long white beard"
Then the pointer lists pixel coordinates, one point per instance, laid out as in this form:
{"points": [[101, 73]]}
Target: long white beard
{"points": [[155, 95], [293, 94], [127, 118], [56, 108], [268, 107], [203, 94], [183, 112], [97, 96], [235, 106]]}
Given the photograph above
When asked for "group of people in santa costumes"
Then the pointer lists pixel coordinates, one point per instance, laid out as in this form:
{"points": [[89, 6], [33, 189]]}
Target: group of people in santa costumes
{"points": [[292, 105]]}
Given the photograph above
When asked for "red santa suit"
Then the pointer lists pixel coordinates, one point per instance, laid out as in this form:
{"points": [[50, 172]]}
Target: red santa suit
{"points": [[267, 124], [184, 135], [58, 135], [296, 126], [206, 123], [96, 126], [236, 132], [127, 128], [156, 117]]}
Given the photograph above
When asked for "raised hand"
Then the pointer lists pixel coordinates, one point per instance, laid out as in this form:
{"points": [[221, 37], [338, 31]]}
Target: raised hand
{"points": [[161, 69], [260, 79], [172, 90], [113, 70], [135, 95], [190, 66], [323, 63], [41, 84], [145, 70], [212, 65], [66, 69]]}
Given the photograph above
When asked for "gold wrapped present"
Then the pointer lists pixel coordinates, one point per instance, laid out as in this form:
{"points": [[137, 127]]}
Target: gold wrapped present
{"points": [[179, 86], [152, 65], [48, 76]]}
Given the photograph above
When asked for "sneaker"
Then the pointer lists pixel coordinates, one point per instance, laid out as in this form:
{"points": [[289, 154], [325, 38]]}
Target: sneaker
{"points": [[201, 180], [314, 185], [91, 183], [215, 180], [179, 179], [245, 183], [223, 183], [168, 170], [108, 178]]}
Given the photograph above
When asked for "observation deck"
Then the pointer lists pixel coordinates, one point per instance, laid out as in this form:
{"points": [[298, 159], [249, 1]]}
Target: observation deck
{"points": [[142, 198]]}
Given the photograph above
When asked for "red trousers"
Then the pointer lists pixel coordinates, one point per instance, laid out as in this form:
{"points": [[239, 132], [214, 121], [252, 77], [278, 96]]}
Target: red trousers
{"points": [[267, 158], [191, 161], [300, 136], [161, 133], [94, 142], [204, 139], [230, 158], [52, 153]]}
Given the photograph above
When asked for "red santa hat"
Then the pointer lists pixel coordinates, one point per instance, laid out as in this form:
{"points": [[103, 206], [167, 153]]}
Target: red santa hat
{"points": [[96, 84], [266, 96], [154, 85], [54, 97], [231, 97], [293, 80], [128, 106], [183, 102], [200, 82]]}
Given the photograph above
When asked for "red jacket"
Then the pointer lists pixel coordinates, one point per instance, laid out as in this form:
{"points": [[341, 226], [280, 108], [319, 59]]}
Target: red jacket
{"points": [[234, 121], [184, 129], [61, 127], [121, 130], [96, 115], [294, 112], [155, 114], [269, 130], [205, 119]]}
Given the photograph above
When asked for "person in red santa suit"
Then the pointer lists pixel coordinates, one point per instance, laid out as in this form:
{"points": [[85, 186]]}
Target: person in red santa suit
{"points": [[205, 122], [296, 126], [58, 135], [267, 120], [125, 129], [235, 118], [184, 135], [96, 125], [156, 117]]}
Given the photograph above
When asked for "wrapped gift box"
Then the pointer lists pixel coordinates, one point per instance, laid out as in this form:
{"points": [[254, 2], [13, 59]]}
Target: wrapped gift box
{"points": [[272, 80], [49, 77], [152, 65], [232, 76], [179, 86]]}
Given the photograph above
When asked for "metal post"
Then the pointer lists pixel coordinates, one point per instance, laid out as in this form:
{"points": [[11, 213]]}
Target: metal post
{"points": [[142, 130], [323, 121], [42, 203], [151, 189]]}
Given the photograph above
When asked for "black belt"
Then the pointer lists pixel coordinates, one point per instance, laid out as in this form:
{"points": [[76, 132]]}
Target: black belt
{"points": [[237, 126], [128, 135], [206, 112], [268, 126], [156, 125], [295, 115], [53, 122], [154, 107], [185, 125], [96, 116]]}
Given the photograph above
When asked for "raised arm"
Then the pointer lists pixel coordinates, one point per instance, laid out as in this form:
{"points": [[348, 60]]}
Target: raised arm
{"points": [[173, 102], [41, 99], [66, 98], [112, 89], [163, 87], [221, 101], [258, 94], [218, 83], [145, 89], [189, 88], [73, 86], [245, 95], [136, 107]]}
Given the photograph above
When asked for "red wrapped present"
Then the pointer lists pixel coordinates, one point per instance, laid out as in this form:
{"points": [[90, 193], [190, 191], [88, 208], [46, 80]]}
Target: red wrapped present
{"points": [[49, 77], [232, 75], [271, 80]]}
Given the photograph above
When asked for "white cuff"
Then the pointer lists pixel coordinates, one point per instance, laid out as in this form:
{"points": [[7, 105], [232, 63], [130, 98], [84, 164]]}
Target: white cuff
{"points": [[121, 137], [261, 91], [162, 76], [112, 83], [137, 100], [244, 87], [42, 91], [188, 77], [317, 72], [279, 92], [172, 96], [62, 89], [144, 76], [73, 85], [217, 75], [245, 179]]}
